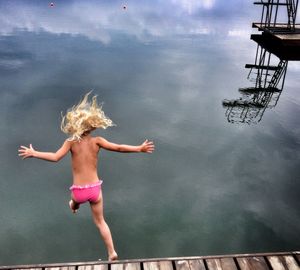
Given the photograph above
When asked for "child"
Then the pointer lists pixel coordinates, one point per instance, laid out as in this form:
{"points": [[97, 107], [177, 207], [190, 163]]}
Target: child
{"points": [[79, 121]]}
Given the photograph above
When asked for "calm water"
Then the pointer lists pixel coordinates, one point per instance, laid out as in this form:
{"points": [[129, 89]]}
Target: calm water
{"points": [[162, 69]]}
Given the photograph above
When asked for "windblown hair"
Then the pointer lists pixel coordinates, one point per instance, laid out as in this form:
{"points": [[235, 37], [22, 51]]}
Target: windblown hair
{"points": [[84, 117]]}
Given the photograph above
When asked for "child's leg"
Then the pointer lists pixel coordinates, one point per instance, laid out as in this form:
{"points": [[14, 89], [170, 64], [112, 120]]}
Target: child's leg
{"points": [[97, 211]]}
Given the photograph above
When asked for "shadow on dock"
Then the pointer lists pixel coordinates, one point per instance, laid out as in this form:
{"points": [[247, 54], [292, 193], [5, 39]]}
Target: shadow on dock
{"points": [[277, 44]]}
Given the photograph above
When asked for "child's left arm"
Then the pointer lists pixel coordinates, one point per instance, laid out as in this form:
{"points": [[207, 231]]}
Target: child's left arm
{"points": [[27, 152], [145, 147]]}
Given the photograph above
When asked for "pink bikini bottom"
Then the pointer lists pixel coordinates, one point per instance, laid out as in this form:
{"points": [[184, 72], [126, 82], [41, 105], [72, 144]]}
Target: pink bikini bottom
{"points": [[90, 192]]}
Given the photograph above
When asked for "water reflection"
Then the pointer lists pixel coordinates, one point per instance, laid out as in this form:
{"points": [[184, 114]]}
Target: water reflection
{"points": [[154, 75], [270, 66], [268, 82], [102, 21]]}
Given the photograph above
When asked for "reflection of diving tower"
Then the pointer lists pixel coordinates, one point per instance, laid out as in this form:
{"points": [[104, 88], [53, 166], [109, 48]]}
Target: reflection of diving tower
{"points": [[268, 84], [266, 75], [278, 43], [268, 80]]}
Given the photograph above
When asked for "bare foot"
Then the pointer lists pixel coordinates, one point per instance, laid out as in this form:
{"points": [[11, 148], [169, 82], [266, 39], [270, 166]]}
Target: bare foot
{"points": [[113, 256], [73, 206]]}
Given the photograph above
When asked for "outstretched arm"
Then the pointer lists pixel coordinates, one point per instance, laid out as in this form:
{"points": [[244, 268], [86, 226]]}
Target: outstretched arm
{"points": [[27, 152], [145, 147]]}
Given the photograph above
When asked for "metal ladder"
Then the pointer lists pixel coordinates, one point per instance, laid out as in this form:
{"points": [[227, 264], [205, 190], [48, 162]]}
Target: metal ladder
{"points": [[278, 74], [292, 6]]}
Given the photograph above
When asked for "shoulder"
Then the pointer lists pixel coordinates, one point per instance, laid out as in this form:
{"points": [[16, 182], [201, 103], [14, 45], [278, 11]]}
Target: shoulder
{"points": [[68, 143], [103, 143], [99, 140]]}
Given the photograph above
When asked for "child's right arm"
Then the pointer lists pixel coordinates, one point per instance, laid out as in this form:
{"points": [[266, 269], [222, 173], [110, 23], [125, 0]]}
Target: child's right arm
{"points": [[145, 147], [27, 152]]}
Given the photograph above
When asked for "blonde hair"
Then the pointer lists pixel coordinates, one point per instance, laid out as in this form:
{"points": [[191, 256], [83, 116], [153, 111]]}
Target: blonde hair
{"points": [[84, 117]]}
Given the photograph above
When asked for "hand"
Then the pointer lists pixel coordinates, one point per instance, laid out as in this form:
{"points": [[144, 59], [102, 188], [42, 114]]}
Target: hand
{"points": [[26, 152], [147, 147]]}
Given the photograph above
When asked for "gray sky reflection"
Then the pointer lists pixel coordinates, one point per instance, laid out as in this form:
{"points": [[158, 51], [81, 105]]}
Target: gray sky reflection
{"points": [[144, 20], [162, 69]]}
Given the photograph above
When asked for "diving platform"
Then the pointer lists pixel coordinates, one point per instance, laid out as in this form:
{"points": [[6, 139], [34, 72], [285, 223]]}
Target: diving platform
{"points": [[279, 40], [284, 46], [255, 261]]}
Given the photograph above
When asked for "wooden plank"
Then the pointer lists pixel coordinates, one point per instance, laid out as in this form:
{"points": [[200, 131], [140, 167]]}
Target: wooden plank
{"points": [[165, 265], [189, 265], [61, 268], [117, 266], [283, 262], [276, 263], [93, 267], [161, 265], [182, 265], [151, 266], [132, 266], [221, 264], [291, 263], [251, 263], [228, 263], [27, 268], [197, 265], [214, 264]]}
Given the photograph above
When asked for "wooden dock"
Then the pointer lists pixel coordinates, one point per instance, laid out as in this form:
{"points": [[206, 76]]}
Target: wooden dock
{"points": [[258, 261]]}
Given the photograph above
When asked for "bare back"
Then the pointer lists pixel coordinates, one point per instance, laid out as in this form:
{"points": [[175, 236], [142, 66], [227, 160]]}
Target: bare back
{"points": [[85, 160]]}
